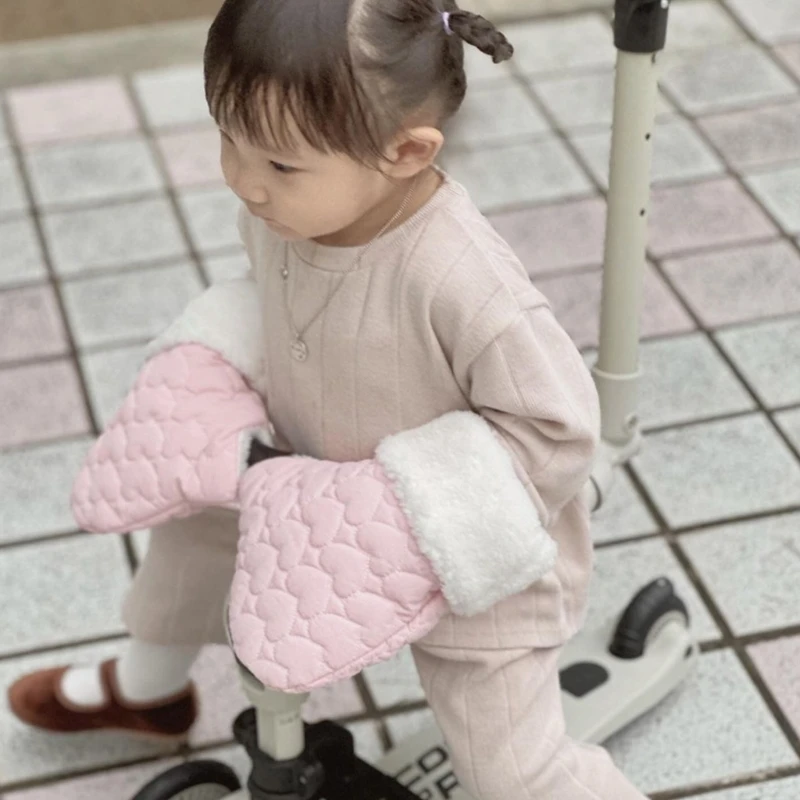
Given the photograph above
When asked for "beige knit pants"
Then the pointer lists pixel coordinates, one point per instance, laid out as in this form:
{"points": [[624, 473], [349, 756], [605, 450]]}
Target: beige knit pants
{"points": [[499, 709]]}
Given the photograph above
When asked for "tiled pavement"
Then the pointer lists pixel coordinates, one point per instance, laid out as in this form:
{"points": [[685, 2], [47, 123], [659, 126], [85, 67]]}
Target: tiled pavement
{"points": [[112, 216]]}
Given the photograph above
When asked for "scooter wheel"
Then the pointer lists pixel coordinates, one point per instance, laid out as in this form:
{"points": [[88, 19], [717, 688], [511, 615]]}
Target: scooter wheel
{"points": [[646, 614], [195, 780]]}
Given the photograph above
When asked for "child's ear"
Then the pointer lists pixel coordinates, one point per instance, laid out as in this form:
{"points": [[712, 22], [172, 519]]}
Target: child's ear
{"points": [[413, 151]]}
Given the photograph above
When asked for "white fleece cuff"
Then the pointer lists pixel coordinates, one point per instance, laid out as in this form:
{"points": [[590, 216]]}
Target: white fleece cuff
{"points": [[471, 515], [227, 319]]}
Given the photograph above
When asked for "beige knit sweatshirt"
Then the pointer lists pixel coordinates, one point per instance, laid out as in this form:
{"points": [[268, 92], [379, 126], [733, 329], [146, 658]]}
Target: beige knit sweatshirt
{"points": [[439, 316]]}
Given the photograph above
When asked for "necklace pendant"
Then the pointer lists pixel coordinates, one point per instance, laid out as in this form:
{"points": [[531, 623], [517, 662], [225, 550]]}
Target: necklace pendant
{"points": [[299, 349], [284, 273]]}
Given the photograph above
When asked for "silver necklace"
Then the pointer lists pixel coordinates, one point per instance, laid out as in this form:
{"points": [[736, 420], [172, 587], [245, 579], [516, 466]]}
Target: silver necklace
{"points": [[299, 348]]}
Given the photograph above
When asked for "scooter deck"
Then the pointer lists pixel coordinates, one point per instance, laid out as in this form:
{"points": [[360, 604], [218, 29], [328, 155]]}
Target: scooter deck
{"points": [[602, 694]]}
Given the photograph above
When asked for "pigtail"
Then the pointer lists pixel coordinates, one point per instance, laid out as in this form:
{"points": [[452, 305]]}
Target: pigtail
{"points": [[479, 32]]}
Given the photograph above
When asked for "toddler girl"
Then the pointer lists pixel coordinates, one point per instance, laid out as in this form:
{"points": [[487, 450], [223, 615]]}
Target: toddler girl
{"points": [[386, 327]]}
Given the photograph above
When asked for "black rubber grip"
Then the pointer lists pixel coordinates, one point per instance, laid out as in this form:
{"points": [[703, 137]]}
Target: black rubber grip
{"points": [[261, 452], [640, 26]]}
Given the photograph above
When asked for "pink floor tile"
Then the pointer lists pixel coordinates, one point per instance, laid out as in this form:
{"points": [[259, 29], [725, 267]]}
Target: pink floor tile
{"points": [[557, 236], [192, 158], [790, 55], [30, 324], [40, 402], [741, 284], [757, 138], [777, 661], [118, 784], [59, 111], [576, 303], [709, 214]]}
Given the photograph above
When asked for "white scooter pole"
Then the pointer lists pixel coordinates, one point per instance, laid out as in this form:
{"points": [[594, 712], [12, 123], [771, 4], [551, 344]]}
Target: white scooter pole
{"points": [[640, 28]]}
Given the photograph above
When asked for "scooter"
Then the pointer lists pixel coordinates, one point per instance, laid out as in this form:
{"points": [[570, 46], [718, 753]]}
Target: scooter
{"points": [[609, 676]]}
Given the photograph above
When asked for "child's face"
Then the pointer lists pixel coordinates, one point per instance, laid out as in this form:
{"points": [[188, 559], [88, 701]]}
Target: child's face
{"points": [[303, 194]]}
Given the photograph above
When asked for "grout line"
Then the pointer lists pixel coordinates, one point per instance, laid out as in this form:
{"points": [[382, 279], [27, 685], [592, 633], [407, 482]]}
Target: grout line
{"points": [[372, 711], [55, 441], [58, 648], [123, 270], [42, 360], [130, 555], [697, 422], [192, 751], [740, 324], [725, 247], [640, 538], [764, 637], [126, 268], [91, 772], [697, 527], [758, 779], [738, 519], [762, 168], [16, 544], [115, 201]]}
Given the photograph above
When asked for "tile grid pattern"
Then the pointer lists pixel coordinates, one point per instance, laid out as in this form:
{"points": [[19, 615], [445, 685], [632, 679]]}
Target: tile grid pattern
{"points": [[387, 700], [729, 638], [740, 645]]}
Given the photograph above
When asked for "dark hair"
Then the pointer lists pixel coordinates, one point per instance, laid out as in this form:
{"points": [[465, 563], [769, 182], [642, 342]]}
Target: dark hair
{"points": [[348, 73]]}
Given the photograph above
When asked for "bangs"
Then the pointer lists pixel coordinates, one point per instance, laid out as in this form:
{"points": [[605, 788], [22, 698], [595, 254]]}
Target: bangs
{"points": [[276, 69]]}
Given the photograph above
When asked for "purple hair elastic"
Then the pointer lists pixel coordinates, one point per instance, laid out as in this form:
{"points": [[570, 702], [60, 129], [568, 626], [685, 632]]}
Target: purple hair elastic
{"points": [[446, 20]]}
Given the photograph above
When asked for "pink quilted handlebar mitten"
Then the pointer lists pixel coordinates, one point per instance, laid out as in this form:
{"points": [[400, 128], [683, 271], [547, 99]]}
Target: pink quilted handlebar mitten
{"points": [[329, 577], [341, 565], [179, 444]]}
